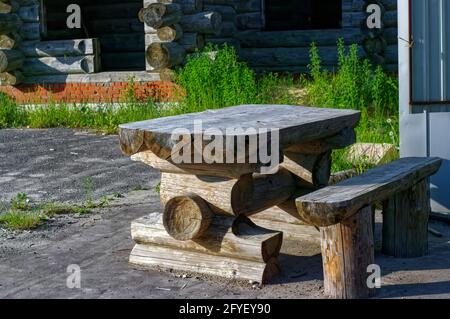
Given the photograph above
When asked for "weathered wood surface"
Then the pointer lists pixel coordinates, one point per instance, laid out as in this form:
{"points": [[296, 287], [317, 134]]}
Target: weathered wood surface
{"points": [[347, 251], [170, 33], [343, 139], [61, 48], [334, 204], [247, 195], [152, 256], [187, 6], [312, 171], [165, 55], [227, 237], [158, 15], [61, 65], [11, 40], [220, 170], [297, 38], [187, 217], [10, 60], [209, 22], [405, 222], [296, 125], [11, 78]]}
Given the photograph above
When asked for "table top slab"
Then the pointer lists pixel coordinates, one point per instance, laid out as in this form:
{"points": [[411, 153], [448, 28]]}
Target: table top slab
{"points": [[296, 125]]}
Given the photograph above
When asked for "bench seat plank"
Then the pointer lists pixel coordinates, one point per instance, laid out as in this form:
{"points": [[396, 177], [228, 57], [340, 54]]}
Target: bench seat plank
{"points": [[333, 204]]}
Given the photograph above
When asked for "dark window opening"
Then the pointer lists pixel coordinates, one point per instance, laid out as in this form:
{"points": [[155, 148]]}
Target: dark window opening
{"points": [[303, 14], [116, 25]]}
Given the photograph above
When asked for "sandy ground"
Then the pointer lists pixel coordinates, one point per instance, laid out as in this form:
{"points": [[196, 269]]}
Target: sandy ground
{"points": [[51, 164]]}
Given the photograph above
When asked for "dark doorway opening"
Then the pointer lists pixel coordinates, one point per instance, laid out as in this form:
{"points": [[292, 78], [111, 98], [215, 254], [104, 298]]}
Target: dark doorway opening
{"points": [[303, 14], [114, 23]]}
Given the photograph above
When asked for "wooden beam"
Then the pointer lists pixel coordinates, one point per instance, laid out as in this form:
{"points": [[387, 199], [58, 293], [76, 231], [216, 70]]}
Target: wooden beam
{"points": [[334, 204]]}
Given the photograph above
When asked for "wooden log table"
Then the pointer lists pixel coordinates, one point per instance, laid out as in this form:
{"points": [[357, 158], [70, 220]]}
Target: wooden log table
{"points": [[214, 199]]}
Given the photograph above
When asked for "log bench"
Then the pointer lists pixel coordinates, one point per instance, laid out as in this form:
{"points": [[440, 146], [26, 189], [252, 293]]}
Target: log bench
{"points": [[345, 215]]}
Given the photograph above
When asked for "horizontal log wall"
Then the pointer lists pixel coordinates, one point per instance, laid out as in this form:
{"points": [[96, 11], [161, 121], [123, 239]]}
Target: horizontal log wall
{"points": [[288, 51], [19, 22], [183, 27]]}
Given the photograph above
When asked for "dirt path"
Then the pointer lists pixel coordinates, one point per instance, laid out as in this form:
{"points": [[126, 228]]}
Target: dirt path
{"points": [[34, 264]]}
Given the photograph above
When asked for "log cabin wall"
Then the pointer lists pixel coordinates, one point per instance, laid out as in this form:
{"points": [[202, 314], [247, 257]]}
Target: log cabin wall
{"points": [[280, 47], [156, 36], [276, 35]]}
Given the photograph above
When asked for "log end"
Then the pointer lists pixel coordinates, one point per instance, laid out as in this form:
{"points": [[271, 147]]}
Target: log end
{"points": [[187, 217]]}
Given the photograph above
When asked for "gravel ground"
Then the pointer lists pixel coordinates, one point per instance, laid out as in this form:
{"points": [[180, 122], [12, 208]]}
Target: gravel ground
{"points": [[52, 164]]}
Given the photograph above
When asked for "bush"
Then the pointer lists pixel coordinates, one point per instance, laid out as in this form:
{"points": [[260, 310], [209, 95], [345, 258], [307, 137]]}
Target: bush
{"points": [[356, 84], [214, 78], [11, 115]]}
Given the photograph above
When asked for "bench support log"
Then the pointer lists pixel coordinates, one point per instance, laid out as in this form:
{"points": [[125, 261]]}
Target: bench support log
{"points": [[347, 251], [405, 222]]}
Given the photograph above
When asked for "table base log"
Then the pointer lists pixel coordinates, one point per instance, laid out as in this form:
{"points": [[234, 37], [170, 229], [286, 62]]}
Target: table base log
{"points": [[233, 248], [347, 251]]}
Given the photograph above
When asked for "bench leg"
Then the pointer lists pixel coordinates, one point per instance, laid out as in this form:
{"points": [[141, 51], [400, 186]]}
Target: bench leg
{"points": [[347, 251], [405, 222]]}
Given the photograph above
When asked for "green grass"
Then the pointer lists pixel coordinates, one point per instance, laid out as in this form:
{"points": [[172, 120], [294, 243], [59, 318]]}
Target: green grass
{"points": [[23, 214], [20, 220]]}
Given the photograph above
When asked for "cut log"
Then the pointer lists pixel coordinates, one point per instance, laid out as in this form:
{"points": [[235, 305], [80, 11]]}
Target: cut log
{"points": [[187, 217], [246, 196], [158, 15], [170, 33], [152, 256], [313, 171], [205, 22], [296, 232], [165, 55], [347, 251], [10, 60], [10, 40], [61, 48], [226, 237], [60, 65], [405, 222], [11, 78]]}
